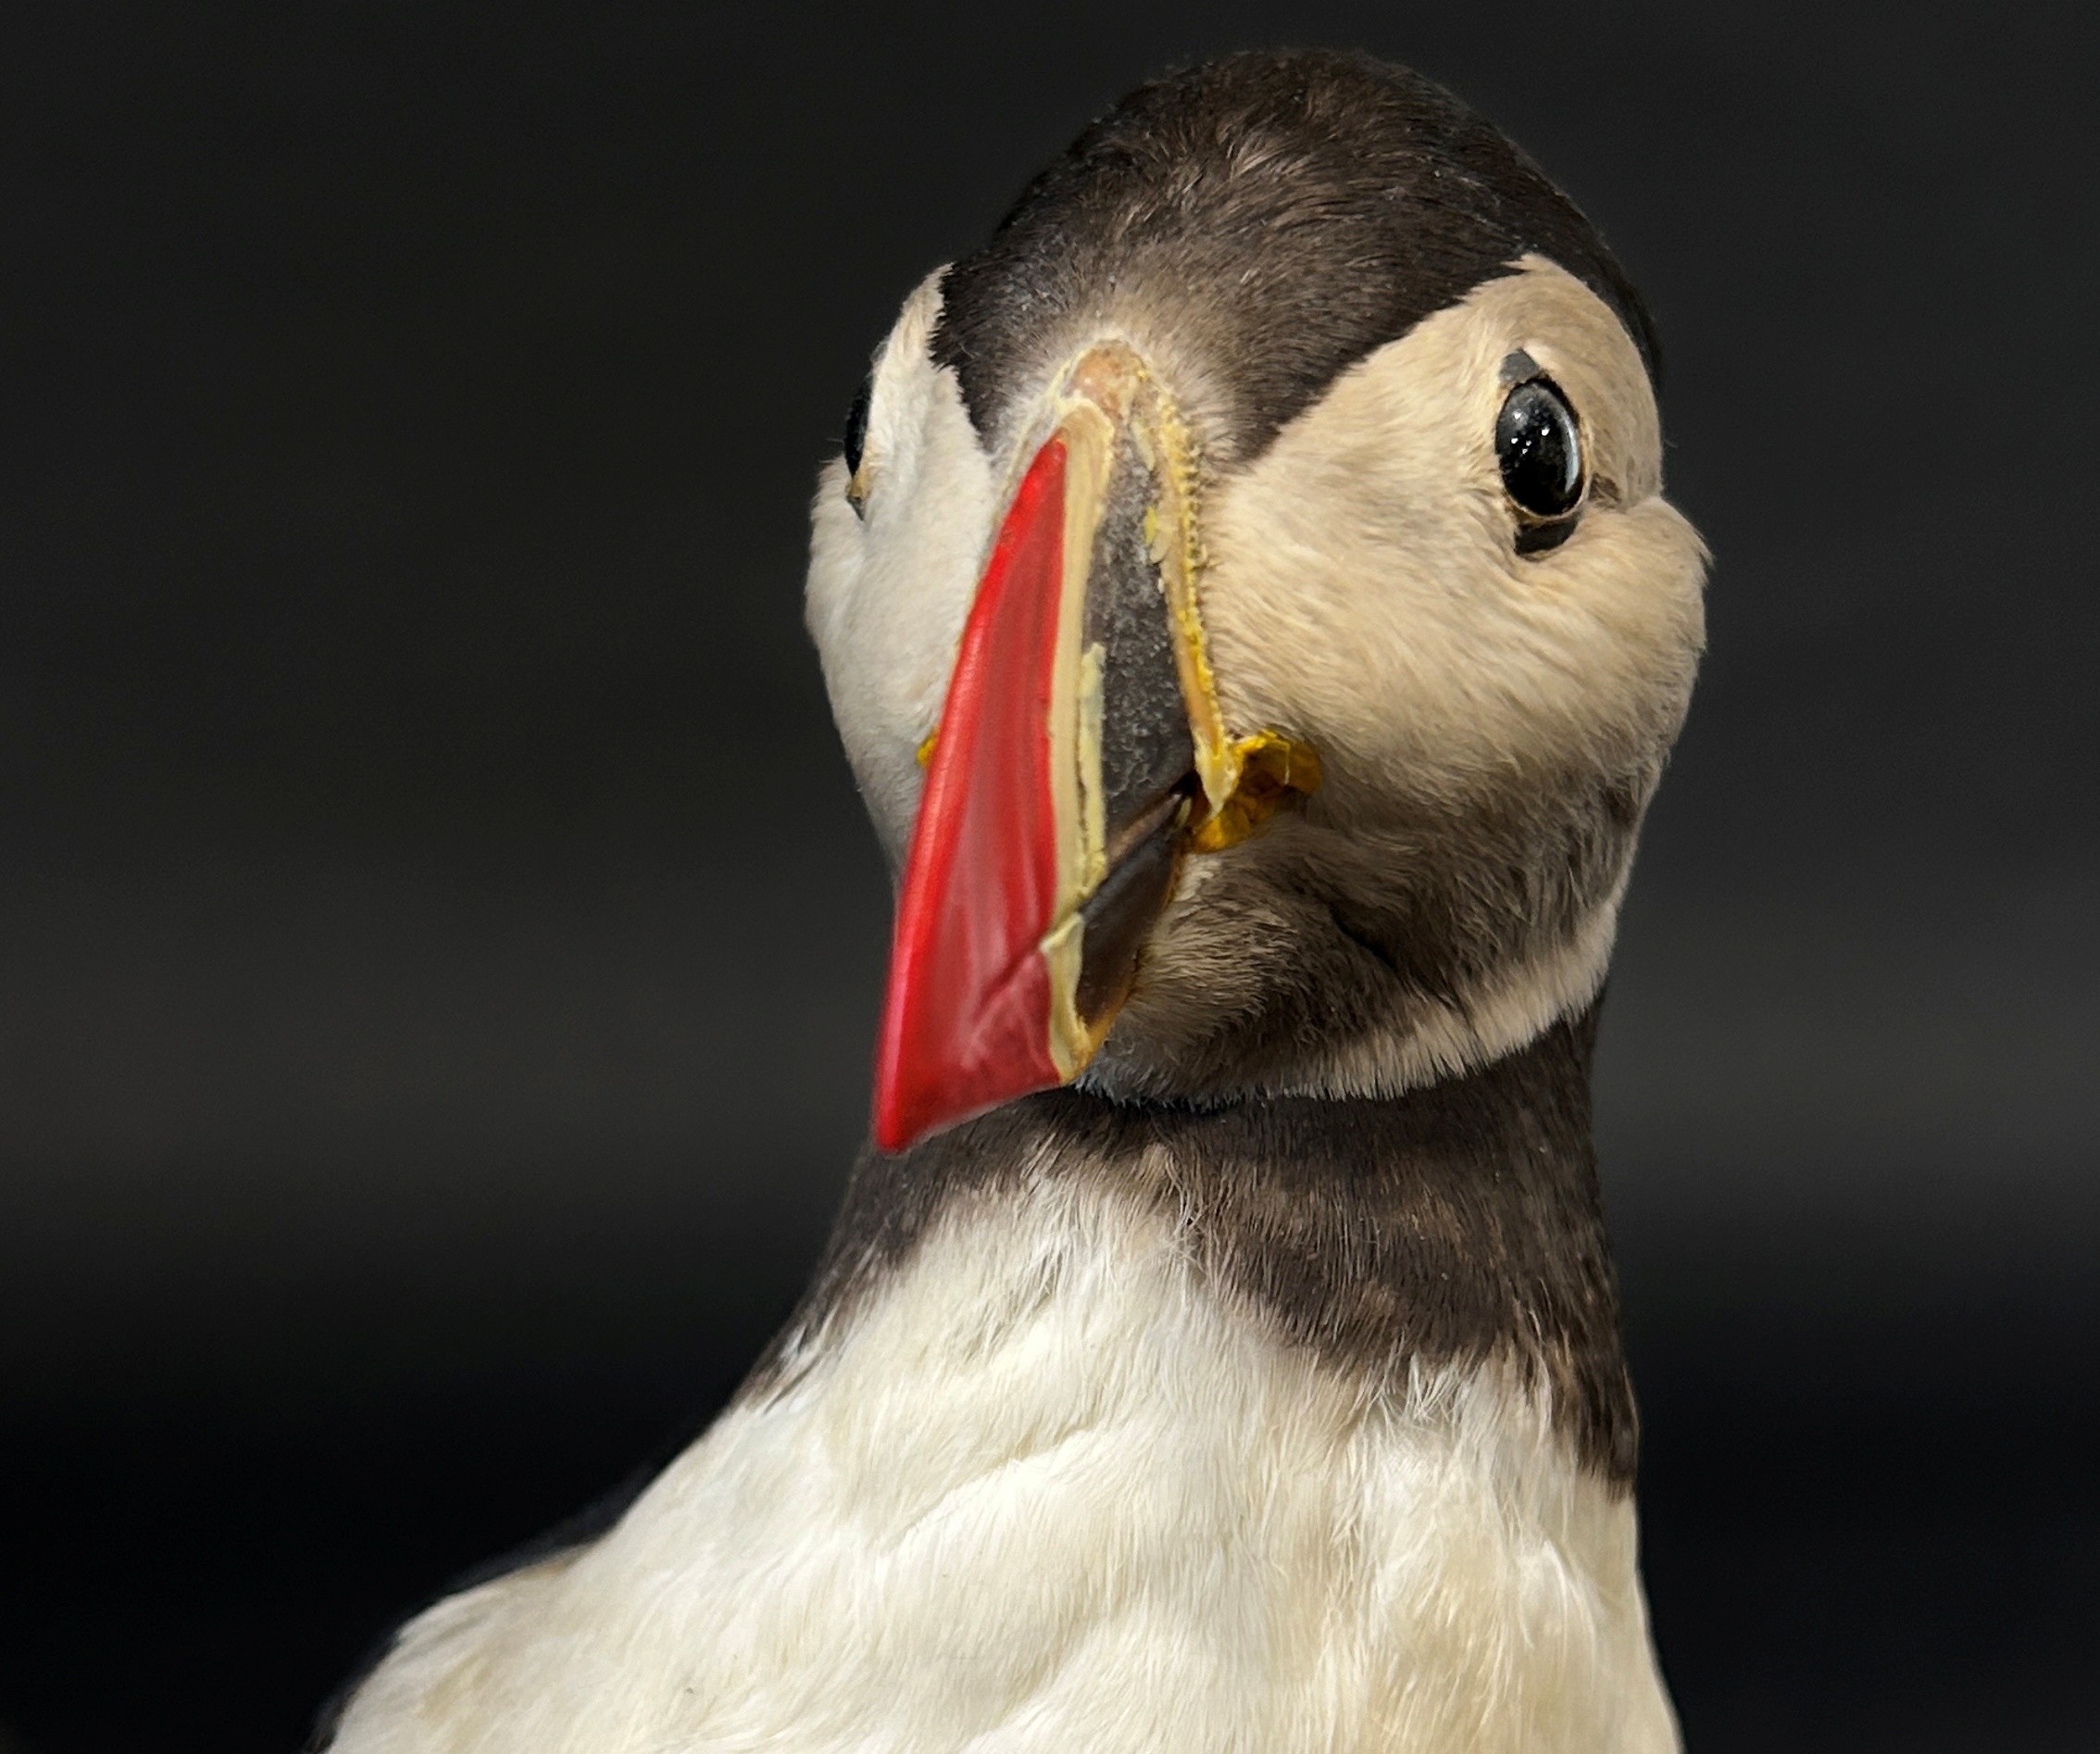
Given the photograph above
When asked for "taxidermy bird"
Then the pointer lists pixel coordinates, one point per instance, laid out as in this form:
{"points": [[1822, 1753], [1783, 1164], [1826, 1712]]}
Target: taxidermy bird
{"points": [[1250, 611]]}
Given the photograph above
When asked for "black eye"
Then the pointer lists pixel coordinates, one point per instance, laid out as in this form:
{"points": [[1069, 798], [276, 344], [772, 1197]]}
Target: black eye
{"points": [[856, 439], [1540, 449]]}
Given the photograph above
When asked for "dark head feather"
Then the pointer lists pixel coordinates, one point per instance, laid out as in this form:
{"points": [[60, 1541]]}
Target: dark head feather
{"points": [[1293, 211]]}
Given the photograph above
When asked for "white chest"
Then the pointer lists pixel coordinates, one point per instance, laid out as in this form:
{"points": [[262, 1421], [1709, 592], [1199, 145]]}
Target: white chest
{"points": [[1047, 1493]]}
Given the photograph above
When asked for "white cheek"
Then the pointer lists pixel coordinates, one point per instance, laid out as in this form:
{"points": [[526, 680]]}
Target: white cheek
{"points": [[1351, 604], [887, 597], [1615, 624], [1431, 660], [1366, 594]]}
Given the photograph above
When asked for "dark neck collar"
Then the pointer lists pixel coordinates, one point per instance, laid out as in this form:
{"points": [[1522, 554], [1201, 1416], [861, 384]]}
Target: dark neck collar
{"points": [[1456, 1225]]}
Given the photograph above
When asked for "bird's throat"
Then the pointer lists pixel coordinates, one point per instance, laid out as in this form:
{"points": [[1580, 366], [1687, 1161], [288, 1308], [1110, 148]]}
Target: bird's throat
{"points": [[1455, 1225]]}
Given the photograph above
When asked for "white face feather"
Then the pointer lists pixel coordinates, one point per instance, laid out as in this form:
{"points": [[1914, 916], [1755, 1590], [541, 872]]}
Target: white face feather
{"points": [[1365, 588], [887, 594], [1364, 592]]}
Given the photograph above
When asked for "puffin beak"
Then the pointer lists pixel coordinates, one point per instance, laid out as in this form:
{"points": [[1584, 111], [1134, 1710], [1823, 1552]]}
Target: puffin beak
{"points": [[1080, 756]]}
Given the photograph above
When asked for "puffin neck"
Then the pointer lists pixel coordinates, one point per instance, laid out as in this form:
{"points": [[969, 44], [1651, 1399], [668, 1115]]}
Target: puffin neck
{"points": [[1457, 1225]]}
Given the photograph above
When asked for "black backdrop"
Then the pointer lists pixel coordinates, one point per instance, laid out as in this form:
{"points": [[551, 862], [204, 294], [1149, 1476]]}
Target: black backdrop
{"points": [[439, 942]]}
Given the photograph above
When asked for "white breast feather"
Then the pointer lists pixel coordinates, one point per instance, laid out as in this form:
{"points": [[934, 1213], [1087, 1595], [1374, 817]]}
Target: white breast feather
{"points": [[1047, 1493]]}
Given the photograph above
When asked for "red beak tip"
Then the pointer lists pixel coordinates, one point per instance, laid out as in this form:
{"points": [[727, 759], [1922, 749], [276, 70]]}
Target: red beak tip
{"points": [[967, 1021], [895, 1130], [905, 1117]]}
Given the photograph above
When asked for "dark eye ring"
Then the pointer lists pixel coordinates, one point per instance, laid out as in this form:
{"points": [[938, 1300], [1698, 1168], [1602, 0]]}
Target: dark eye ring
{"points": [[854, 442], [1539, 445]]}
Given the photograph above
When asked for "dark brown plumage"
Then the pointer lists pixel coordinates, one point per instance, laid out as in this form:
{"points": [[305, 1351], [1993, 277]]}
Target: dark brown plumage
{"points": [[1456, 1224], [1291, 211]]}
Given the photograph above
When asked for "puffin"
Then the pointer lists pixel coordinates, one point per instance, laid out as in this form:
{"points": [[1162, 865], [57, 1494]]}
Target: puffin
{"points": [[1250, 611]]}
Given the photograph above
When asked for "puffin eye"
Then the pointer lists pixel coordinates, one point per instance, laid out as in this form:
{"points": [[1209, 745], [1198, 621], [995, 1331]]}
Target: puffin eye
{"points": [[855, 440], [1540, 449]]}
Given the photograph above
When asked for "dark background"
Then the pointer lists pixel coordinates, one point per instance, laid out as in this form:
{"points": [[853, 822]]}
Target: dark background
{"points": [[439, 942]]}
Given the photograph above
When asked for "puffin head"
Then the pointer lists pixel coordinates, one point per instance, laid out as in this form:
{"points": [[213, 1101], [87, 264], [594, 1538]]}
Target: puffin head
{"points": [[1250, 607]]}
